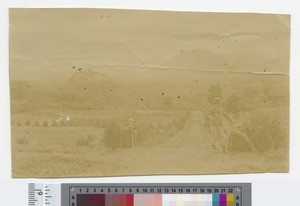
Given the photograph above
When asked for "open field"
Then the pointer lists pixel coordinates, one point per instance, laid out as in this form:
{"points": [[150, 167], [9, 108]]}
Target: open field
{"points": [[56, 136], [53, 152]]}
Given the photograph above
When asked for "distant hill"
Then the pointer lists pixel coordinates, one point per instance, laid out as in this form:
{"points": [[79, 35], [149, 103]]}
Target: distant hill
{"points": [[89, 82], [201, 59]]}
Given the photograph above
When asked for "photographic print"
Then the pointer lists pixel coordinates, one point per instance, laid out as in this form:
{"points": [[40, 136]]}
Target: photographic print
{"points": [[107, 92]]}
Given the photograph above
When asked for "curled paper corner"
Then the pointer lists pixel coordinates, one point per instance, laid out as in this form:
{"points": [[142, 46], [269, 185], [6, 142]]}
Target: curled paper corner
{"points": [[285, 20]]}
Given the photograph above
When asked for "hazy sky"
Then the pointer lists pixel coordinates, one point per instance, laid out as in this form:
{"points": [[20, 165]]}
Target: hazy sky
{"points": [[149, 38]]}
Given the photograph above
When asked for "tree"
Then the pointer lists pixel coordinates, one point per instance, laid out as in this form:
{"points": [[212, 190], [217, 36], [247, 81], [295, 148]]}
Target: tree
{"points": [[214, 91], [236, 104], [27, 123], [112, 135], [88, 87]]}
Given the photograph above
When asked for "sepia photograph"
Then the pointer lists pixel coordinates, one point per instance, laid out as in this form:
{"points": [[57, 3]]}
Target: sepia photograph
{"points": [[108, 92]]}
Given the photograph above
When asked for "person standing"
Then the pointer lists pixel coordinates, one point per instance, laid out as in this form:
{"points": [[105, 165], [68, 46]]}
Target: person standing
{"points": [[218, 117], [133, 133]]}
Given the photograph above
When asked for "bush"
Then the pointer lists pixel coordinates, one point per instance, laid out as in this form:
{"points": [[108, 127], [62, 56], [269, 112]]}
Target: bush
{"points": [[63, 123], [86, 141], [54, 123], [236, 104], [27, 123], [45, 124], [214, 91], [265, 132], [112, 135], [37, 123], [142, 132], [23, 141]]}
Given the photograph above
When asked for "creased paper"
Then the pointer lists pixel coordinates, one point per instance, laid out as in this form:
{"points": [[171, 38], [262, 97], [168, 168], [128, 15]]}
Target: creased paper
{"points": [[105, 92]]}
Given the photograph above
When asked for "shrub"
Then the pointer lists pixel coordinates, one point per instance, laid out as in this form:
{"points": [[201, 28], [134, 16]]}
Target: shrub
{"points": [[265, 132], [214, 91], [37, 123], [142, 132], [86, 141], [54, 123], [63, 123], [112, 135], [23, 141], [45, 124], [236, 104], [27, 123]]}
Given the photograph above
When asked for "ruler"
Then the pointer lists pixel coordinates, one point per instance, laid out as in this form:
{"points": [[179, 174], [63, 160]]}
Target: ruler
{"points": [[44, 194], [40, 194]]}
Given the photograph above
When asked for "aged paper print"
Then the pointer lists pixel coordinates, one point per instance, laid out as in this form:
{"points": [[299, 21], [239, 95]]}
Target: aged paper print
{"points": [[97, 92]]}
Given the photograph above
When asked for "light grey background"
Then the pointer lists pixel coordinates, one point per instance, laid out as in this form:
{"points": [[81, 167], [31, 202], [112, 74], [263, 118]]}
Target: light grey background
{"points": [[265, 186]]}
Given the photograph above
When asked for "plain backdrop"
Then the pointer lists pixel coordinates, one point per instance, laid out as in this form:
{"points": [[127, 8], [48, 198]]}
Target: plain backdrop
{"points": [[268, 189]]}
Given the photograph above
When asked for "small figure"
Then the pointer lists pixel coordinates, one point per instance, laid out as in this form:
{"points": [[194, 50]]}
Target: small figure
{"points": [[132, 132], [217, 116]]}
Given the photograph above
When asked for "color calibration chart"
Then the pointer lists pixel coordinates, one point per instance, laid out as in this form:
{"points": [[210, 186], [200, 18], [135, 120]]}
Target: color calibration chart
{"points": [[206, 194]]}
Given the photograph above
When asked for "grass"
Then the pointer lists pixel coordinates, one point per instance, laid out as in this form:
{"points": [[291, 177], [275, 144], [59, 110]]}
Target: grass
{"points": [[55, 166], [54, 151]]}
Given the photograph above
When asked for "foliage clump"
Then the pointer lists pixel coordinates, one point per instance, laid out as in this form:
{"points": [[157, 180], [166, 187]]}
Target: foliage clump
{"points": [[265, 132], [112, 135], [23, 141], [86, 141]]}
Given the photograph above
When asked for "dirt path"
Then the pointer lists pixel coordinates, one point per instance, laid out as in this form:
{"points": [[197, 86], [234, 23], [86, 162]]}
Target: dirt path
{"points": [[192, 136]]}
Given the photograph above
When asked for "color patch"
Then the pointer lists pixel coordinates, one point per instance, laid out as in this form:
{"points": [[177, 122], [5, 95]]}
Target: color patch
{"points": [[205, 200], [90, 200], [155, 200], [230, 199], [187, 200], [119, 200], [216, 200], [147, 200], [223, 200]]}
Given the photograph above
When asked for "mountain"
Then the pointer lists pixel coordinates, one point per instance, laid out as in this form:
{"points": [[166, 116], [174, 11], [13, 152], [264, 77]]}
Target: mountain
{"points": [[201, 59]]}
